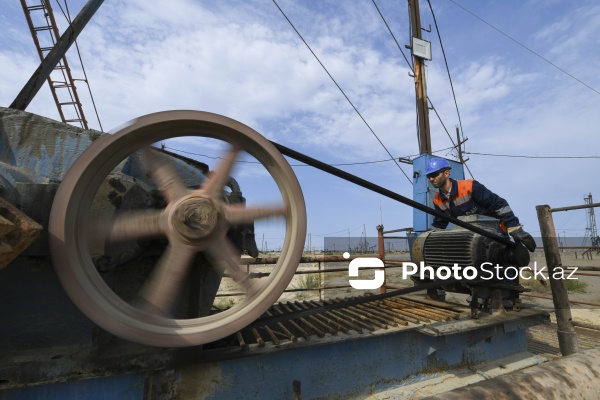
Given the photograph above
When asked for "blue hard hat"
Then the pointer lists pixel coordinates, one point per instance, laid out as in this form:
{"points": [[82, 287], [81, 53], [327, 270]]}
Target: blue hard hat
{"points": [[437, 164]]}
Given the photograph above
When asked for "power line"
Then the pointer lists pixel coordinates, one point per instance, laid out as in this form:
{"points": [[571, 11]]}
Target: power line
{"points": [[437, 29], [303, 165], [525, 47], [411, 67], [341, 90], [347, 230], [393, 36], [520, 156]]}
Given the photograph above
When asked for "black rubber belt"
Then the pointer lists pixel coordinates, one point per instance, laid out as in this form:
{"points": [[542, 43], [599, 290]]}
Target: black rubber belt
{"points": [[297, 314], [388, 193]]}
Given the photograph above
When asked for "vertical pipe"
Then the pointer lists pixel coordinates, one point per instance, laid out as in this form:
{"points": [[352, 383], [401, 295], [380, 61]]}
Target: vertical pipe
{"points": [[567, 337], [380, 247], [321, 281]]}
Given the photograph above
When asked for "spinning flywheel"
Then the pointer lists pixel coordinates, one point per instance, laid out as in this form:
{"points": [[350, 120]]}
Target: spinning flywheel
{"points": [[189, 222]]}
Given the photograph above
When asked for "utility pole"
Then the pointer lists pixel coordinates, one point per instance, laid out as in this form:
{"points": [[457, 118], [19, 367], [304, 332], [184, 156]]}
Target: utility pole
{"points": [[420, 85]]}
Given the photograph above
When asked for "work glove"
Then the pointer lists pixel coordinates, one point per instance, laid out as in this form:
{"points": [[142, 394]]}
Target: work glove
{"points": [[523, 237]]}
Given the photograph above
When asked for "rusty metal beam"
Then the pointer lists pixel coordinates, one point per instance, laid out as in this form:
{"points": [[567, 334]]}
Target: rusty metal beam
{"points": [[17, 232], [52, 59]]}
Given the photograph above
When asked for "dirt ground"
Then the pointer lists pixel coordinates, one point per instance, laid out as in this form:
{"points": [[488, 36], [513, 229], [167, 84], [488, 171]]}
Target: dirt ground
{"points": [[583, 287]]}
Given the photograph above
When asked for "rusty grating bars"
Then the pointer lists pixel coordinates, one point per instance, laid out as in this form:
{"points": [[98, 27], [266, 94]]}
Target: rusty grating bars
{"points": [[359, 319]]}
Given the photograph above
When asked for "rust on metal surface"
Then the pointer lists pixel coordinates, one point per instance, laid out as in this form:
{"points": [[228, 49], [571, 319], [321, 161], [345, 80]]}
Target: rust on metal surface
{"points": [[357, 314], [304, 320], [332, 326], [313, 318], [286, 331], [370, 316], [259, 339], [419, 310], [347, 324], [241, 341], [415, 318], [303, 332], [17, 232], [572, 377]]}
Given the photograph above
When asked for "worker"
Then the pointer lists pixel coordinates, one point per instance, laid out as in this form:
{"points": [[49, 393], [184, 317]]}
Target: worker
{"points": [[467, 197]]}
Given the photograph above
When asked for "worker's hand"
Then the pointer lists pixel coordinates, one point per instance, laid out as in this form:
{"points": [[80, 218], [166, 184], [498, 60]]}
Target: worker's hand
{"points": [[523, 237]]}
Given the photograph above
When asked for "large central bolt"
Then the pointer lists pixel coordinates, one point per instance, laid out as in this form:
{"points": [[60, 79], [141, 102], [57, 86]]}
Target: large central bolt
{"points": [[196, 217]]}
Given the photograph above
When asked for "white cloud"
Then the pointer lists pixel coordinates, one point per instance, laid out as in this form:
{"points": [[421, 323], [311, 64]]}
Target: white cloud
{"points": [[243, 60]]}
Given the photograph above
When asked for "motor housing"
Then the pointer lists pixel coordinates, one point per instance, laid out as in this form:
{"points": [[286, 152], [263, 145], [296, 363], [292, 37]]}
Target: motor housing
{"points": [[457, 245]]}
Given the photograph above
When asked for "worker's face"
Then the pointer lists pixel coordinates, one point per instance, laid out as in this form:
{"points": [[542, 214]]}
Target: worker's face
{"points": [[439, 179]]}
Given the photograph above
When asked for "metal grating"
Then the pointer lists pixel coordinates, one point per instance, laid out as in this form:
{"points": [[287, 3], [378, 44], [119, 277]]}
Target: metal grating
{"points": [[359, 319]]}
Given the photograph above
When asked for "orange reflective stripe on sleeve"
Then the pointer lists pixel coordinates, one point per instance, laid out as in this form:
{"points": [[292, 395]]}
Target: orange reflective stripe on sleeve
{"points": [[437, 200], [503, 227]]}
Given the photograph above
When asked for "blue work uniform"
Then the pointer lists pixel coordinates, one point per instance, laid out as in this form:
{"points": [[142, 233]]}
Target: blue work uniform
{"points": [[468, 197]]}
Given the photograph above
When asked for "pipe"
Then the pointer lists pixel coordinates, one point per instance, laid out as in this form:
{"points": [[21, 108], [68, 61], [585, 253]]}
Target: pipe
{"points": [[381, 249], [575, 207], [572, 377]]}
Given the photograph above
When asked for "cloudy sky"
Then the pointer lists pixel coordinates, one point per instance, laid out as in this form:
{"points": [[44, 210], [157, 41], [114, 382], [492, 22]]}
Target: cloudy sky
{"points": [[525, 75]]}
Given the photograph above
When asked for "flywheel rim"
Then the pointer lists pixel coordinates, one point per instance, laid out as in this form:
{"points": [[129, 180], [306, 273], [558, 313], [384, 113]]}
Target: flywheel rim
{"points": [[69, 216]]}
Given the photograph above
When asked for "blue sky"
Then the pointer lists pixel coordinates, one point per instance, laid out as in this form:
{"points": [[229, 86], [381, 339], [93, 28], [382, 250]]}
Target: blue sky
{"points": [[243, 60]]}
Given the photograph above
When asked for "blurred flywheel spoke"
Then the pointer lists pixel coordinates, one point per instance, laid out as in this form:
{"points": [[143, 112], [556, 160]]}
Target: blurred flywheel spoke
{"points": [[167, 279], [237, 214], [163, 172], [226, 258], [130, 225], [217, 179]]}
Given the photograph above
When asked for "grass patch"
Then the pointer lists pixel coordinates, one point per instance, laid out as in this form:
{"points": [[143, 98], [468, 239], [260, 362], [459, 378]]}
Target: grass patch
{"points": [[576, 285], [308, 282], [572, 285], [224, 303]]}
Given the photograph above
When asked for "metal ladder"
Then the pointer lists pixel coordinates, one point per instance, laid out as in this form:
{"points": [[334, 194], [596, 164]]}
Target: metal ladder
{"points": [[61, 81]]}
